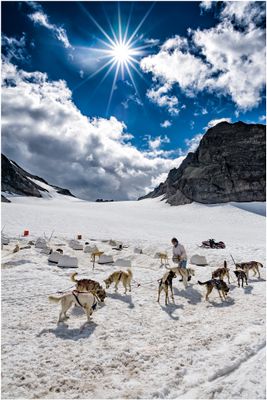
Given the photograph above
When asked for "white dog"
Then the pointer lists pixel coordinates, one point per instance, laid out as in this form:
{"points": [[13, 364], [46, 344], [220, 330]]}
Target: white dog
{"points": [[85, 300], [185, 273]]}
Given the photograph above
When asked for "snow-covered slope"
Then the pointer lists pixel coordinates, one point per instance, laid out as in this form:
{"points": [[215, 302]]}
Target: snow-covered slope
{"points": [[134, 347], [16, 181]]}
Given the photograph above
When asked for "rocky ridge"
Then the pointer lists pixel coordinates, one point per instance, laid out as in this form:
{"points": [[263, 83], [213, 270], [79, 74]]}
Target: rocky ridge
{"points": [[229, 165]]}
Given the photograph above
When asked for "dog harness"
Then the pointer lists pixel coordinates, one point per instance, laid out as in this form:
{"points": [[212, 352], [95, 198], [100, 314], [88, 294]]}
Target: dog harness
{"points": [[74, 292], [217, 283], [95, 304], [76, 297]]}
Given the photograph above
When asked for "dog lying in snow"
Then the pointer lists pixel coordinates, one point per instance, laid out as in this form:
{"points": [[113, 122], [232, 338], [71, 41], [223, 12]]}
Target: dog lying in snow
{"points": [[251, 265], [85, 300], [220, 273], [185, 274], [164, 284], [219, 284], [88, 285], [241, 276], [120, 276]]}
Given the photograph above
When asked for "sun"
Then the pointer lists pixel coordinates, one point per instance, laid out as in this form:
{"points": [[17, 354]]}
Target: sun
{"points": [[120, 50], [121, 53]]}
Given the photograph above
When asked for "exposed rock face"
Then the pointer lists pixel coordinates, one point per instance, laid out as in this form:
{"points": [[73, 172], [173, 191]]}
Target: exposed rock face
{"points": [[4, 199], [229, 165], [16, 180]]}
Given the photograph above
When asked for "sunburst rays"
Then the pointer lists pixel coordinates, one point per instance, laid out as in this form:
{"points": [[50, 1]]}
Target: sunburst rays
{"points": [[119, 51]]}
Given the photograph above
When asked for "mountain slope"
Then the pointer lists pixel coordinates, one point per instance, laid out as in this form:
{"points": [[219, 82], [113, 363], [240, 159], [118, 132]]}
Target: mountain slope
{"points": [[16, 180], [229, 165]]}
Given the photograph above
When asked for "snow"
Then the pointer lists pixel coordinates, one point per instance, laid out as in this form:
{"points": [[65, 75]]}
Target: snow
{"points": [[134, 347]]}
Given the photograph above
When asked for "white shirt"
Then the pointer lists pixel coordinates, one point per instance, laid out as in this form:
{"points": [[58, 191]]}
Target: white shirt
{"points": [[179, 250]]}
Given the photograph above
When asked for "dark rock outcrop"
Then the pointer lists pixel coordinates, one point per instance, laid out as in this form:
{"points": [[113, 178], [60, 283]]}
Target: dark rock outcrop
{"points": [[229, 165], [4, 199], [59, 190], [15, 179]]}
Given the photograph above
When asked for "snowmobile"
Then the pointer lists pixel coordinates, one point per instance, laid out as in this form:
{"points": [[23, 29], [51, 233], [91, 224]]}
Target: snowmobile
{"points": [[211, 244]]}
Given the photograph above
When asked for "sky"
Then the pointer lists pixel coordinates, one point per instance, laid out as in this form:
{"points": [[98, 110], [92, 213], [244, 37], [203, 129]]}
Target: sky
{"points": [[104, 98]]}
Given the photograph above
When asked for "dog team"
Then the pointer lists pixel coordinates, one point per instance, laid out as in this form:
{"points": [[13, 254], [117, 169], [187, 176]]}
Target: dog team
{"points": [[89, 292]]}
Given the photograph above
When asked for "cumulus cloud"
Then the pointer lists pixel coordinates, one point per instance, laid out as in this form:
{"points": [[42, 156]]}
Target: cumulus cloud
{"points": [[46, 133], [228, 59], [155, 145], [158, 96], [237, 62], [40, 18], [244, 12], [214, 122], [166, 124], [175, 64]]}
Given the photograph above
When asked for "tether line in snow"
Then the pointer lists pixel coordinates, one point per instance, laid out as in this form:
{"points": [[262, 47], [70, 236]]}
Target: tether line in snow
{"points": [[36, 295]]}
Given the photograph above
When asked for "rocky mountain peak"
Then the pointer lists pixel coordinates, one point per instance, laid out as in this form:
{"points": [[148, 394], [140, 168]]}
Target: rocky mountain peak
{"points": [[228, 165]]}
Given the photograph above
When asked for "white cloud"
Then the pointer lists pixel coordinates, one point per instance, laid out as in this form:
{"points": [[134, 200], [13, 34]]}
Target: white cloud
{"points": [[172, 65], [151, 42], [202, 111], [206, 5], [166, 124], [262, 118], [192, 124], [244, 12], [155, 143], [155, 147], [40, 18], [214, 122], [14, 49], [193, 143], [46, 133], [237, 59], [158, 96], [225, 60], [134, 98]]}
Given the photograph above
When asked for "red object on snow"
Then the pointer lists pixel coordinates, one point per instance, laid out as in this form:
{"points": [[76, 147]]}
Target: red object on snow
{"points": [[26, 233]]}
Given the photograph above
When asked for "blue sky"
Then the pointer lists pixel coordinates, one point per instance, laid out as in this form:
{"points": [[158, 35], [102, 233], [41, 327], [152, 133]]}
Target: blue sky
{"points": [[195, 63]]}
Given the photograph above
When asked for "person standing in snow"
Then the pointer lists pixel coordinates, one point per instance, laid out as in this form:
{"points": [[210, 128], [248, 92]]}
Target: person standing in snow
{"points": [[179, 253]]}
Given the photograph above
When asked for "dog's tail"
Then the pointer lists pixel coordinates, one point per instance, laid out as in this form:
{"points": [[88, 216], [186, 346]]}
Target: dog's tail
{"points": [[54, 299], [130, 273], [73, 276], [260, 265], [202, 283]]}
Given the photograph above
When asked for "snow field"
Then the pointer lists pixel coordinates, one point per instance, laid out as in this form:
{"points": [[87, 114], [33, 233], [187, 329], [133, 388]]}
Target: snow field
{"points": [[134, 347]]}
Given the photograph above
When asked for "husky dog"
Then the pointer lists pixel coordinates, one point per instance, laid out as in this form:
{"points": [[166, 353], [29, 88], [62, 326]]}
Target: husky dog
{"points": [[16, 249], [85, 300], [164, 260], [219, 284], [88, 285], [220, 273], [120, 276], [241, 276], [185, 273], [164, 284], [251, 265]]}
